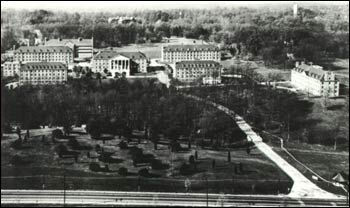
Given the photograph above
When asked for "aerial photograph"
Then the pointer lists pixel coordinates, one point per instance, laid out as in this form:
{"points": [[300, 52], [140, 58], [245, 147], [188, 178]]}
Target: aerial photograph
{"points": [[175, 103]]}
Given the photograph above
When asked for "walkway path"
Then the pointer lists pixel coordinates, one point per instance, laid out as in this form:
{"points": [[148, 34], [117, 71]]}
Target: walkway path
{"points": [[302, 186]]}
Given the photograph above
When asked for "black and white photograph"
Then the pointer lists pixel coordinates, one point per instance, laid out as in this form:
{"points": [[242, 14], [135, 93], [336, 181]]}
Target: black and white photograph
{"points": [[174, 103]]}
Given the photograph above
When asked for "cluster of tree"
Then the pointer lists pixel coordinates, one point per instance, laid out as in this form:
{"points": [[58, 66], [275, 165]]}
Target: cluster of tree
{"points": [[317, 33], [116, 107], [265, 107]]}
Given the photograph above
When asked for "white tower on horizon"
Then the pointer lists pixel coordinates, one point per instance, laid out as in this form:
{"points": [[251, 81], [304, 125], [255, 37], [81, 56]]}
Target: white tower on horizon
{"points": [[295, 10]]}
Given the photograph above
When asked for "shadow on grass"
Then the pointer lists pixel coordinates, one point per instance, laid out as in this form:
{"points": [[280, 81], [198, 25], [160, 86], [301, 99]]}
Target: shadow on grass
{"points": [[335, 107], [78, 132]]}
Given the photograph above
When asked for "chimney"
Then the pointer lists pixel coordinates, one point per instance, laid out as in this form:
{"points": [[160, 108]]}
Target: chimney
{"points": [[302, 62], [310, 63]]}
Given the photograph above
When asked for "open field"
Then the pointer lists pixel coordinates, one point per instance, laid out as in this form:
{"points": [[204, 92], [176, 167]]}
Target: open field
{"points": [[153, 50], [46, 167], [259, 67], [323, 163], [341, 69]]}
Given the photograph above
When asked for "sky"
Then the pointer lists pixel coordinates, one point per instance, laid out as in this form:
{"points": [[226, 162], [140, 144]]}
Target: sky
{"points": [[124, 6]]}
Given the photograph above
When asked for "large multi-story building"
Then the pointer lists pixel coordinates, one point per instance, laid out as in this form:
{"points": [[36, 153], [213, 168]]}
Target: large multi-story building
{"points": [[175, 53], [10, 69], [314, 80], [43, 73], [61, 54], [82, 48], [190, 71], [137, 62]]}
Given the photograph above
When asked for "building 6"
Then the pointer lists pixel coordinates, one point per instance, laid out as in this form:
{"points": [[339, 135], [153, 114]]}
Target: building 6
{"points": [[61, 54], [43, 73], [10, 69], [136, 62], [175, 53], [82, 48], [314, 80], [190, 71]]}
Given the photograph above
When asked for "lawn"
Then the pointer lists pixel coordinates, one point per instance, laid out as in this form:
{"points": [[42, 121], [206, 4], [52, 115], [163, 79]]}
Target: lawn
{"points": [[153, 50], [259, 67], [46, 167], [341, 70], [323, 163]]}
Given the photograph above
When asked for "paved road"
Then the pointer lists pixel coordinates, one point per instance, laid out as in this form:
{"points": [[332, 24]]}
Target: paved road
{"points": [[302, 186], [109, 198]]}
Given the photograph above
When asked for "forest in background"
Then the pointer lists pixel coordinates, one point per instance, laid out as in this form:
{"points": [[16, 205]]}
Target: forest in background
{"points": [[319, 33]]}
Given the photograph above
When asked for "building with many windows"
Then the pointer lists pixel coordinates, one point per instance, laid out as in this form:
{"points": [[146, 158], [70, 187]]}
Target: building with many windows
{"points": [[10, 69], [314, 80], [82, 48], [175, 53], [43, 73], [102, 61], [61, 54], [190, 71]]}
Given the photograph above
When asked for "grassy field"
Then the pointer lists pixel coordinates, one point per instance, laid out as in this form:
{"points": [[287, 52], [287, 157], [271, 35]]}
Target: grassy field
{"points": [[341, 69], [323, 163], [46, 167], [259, 67], [153, 50]]}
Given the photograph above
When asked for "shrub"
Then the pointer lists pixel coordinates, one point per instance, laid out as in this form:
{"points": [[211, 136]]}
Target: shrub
{"points": [[61, 149], [97, 148], [123, 145], [57, 133], [7, 129], [144, 172], [73, 143], [17, 144], [186, 169], [17, 160], [175, 146], [157, 164], [123, 171], [191, 159], [94, 167]]}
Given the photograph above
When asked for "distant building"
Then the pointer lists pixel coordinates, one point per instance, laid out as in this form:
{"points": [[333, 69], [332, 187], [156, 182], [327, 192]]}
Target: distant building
{"points": [[43, 73], [121, 20], [61, 54], [314, 80], [82, 48], [10, 69], [7, 56], [102, 61], [175, 53], [295, 10], [190, 71]]}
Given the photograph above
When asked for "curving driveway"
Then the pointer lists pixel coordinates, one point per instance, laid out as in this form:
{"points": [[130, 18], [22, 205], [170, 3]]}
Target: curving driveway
{"points": [[302, 187]]}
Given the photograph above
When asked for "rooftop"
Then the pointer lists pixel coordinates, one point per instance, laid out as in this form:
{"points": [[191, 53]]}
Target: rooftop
{"points": [[311, 70], [108, 54], [43, 65], [190, 48], [62, 42], [42, 49], [197, 63]]}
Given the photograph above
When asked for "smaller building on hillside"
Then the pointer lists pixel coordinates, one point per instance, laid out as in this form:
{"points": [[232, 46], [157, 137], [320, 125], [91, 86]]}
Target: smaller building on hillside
{"points": [[82, 48], [190, 71], [10, 69], [43, 73], [314, 80]]}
